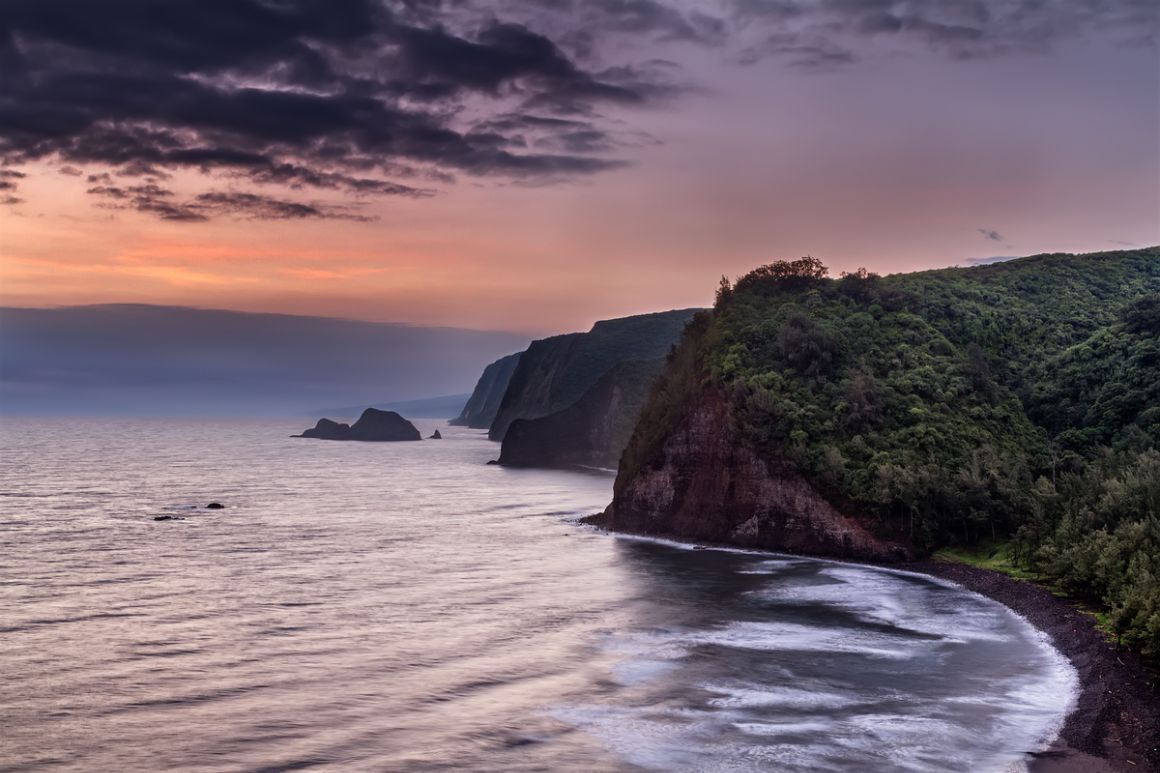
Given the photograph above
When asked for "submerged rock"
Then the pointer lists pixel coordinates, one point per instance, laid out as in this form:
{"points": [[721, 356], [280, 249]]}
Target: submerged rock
{"points": [[374, 425], [215, 506], [168, 518]]}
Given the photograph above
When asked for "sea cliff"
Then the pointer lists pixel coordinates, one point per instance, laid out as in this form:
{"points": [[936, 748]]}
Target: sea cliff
{"points": [[705, 483], [591, 432], [554, 373], [885, 417], [482, 406]]}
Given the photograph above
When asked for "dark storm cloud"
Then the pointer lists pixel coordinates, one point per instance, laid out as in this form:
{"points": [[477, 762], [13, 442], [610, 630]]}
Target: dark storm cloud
{"points": [[8, 178], [8, 185], [303, 93], [959, 28], [161, 202], [801, 52], [660, 19], [260, 207], [368, 97]]}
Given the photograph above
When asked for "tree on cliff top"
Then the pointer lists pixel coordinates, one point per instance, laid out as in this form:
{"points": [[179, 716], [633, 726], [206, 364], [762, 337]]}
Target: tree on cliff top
{"points": [[784, 274]]}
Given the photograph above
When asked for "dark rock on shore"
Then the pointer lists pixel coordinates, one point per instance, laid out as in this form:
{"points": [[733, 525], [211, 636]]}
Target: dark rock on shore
{"points": [[1117, 719], [374, 426], [704, 484]]}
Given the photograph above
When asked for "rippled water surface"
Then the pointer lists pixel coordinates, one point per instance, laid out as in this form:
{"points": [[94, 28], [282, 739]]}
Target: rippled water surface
{"points": [[406, 607]]}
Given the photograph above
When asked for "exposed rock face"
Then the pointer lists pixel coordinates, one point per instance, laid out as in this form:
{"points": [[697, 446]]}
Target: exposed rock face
{"points": [[590, 433], [554, 373], [481, 407], [373, 425], [530, 390], [704, 484], [328, 429]]}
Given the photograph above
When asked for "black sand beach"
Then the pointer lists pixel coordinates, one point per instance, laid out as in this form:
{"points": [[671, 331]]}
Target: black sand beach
{"points": [[1116, 724]]}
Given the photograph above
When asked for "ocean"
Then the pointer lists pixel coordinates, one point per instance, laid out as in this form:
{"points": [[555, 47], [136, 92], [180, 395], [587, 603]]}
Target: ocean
{"points": [[406, 607]]}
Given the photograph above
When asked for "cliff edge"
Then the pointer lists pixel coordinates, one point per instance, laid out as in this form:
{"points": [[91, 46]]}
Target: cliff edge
{"points": [[593, 431], [555, 373], [482, 406]]}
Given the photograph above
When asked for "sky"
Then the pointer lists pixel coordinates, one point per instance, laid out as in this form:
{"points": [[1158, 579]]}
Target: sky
{"points": [[536, 166]]}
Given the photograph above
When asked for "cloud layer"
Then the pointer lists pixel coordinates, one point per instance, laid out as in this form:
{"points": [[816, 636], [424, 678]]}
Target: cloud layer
{"points": [[395, 98], [349, 95]]}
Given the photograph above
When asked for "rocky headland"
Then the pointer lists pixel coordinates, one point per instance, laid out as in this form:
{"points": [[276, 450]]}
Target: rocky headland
{"points": [[482, 406]]}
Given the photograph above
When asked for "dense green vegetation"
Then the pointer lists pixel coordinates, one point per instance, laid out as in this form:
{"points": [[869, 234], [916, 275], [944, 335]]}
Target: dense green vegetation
{"points": [[1019, 400]]}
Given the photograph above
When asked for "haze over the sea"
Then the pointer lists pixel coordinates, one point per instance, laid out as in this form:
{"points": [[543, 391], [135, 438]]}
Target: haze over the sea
{"points": [[171, 361]]}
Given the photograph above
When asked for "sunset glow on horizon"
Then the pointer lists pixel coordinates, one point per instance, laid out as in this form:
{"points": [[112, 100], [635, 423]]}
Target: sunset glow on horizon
{"points": [[665, 157]]}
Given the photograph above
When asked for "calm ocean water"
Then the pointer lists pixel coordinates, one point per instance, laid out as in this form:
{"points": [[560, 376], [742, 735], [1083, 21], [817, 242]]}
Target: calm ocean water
{"points": [[406, 607]]}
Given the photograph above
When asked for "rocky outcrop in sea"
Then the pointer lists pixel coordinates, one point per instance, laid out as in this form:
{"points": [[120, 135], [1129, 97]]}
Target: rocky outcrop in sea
{"points": [[374, 426]]}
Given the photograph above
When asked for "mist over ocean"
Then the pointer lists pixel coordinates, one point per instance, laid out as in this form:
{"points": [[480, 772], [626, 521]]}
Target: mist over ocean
{"points": [[404, 606], [145, 360]]}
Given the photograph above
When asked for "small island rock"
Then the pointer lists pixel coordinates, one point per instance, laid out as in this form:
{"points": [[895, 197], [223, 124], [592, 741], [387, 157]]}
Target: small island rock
{"points": [[215, 506], [373, 425], [436, 436]]}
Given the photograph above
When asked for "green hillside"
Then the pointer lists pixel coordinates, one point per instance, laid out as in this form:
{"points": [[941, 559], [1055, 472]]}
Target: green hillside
{"points": [[1017, 400]]}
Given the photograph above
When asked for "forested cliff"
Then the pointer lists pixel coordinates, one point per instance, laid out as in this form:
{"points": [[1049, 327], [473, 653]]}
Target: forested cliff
{"points": [[880, 417]]}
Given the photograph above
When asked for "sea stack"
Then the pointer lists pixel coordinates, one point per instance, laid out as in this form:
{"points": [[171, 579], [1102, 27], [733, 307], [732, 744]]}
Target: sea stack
{"points": [[373, 426]]}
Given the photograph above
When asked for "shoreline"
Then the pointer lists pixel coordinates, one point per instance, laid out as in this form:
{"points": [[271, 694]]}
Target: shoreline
{"points": [[1115, 725]]}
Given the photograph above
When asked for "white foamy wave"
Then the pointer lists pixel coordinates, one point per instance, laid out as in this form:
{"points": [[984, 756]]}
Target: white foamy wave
{"points": [[777, 697], [797, 637]]}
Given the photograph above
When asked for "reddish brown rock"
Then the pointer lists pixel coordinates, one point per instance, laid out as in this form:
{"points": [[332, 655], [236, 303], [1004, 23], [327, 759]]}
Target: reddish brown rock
{"points": [[704, 484]]}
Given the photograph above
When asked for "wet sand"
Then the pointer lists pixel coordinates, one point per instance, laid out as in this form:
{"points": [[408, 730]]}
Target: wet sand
{"points": [[1116, 723]]}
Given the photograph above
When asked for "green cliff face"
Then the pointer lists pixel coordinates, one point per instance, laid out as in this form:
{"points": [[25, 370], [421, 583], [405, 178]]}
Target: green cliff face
{"points": [[1017, 400], [554, 373], [482, 406]]}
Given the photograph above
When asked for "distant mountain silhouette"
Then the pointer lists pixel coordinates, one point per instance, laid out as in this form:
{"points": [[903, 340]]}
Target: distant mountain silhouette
{"points": [[129, 359], [443, 407]]}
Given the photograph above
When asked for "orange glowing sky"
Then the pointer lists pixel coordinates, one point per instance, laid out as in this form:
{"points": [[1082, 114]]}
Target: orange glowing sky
{"points": [[900, 162]]}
